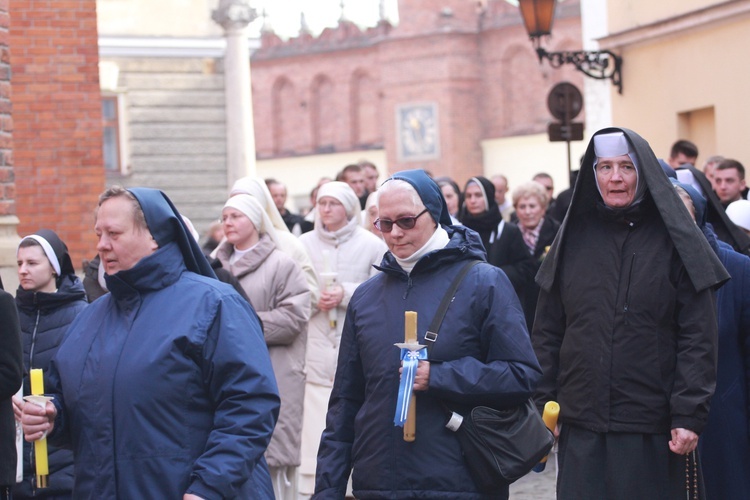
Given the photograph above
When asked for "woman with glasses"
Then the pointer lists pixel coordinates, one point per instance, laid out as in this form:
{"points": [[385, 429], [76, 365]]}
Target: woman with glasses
{"points": [[483, 355], [286, 241], [344, 255], [626, 329], [276, 287]]}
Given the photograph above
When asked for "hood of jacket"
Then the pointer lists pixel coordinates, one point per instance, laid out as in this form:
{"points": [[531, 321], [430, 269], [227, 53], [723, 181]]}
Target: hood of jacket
{"points": [[463, 241], [167, 225], [339, 236], [700, 261], [70, 290], [252, 260], [153, 272]]}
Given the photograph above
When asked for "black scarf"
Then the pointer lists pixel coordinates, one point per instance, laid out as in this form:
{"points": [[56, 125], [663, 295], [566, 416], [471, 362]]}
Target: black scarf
{"points": [[700, 261], [484, 223]]}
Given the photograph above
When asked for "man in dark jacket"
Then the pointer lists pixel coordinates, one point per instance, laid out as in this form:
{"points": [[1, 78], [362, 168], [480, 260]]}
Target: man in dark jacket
{"points": [[625, 329], [11, 373], [163, 387], [482, 357]]}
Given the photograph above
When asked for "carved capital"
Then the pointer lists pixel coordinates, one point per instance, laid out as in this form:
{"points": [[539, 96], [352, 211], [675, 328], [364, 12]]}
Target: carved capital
{"points": [[234, 14]]}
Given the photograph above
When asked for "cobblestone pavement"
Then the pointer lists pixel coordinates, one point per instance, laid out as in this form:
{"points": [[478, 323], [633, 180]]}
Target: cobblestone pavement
{"points": [[536, 486]]}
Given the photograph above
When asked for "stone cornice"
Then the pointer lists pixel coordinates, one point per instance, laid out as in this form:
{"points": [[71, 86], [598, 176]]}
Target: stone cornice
{"points": [[676, 25], [127, 46]]}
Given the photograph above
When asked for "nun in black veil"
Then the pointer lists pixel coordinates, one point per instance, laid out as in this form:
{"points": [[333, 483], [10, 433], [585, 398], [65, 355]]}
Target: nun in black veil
{"points": [[626, 328]]}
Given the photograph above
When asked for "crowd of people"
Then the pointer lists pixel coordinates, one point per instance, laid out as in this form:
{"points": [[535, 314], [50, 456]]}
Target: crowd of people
{"points": [[260, 361]]}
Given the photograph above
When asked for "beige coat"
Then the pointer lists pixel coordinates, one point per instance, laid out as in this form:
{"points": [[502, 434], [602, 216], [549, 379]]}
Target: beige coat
{"points": [[350, 252], [279, 293]]}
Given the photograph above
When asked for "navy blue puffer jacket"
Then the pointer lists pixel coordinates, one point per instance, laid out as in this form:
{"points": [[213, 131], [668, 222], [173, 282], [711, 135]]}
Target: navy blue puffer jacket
{"points": [[164, 386]]}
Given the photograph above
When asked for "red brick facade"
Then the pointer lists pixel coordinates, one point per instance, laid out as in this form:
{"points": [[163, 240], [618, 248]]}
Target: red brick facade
{"points": [[57, 128], [342, 90], [7, 182]]}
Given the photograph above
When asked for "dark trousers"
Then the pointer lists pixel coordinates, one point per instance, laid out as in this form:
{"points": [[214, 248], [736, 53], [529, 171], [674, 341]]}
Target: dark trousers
{"points": [[620, 466]]}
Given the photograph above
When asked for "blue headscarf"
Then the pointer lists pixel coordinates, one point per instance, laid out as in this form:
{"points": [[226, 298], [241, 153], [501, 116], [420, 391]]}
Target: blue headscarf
{"points": [[429, 192], [166, 225], [699, 202], [668, 171]]}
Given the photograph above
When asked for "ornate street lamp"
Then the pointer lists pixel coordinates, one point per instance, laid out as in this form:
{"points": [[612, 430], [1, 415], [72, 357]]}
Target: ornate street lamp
{"points": [[600, 64]]}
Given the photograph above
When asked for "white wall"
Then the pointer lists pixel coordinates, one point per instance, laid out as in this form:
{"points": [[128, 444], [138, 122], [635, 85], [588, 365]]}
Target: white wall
{"points": [[520, 158]]}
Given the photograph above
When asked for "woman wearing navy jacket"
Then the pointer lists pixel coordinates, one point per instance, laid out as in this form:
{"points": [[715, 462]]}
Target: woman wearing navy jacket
{"points": [[49, 298], [163, 387], [483, 356]]}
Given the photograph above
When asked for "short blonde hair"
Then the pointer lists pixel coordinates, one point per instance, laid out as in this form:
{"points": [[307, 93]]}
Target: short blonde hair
{"points": [[531, 188], [120, 192]]}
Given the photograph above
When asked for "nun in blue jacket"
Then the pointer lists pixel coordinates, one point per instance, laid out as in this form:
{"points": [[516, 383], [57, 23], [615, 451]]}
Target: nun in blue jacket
{"points": [[724, 444], [163, 388]]}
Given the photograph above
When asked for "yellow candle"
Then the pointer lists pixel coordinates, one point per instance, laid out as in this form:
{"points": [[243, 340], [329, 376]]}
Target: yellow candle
{"points": [[551, 411], [40, 447], [410, 337], [37, 382]]}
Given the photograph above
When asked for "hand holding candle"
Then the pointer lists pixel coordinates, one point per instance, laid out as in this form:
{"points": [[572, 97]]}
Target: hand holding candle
{"points": [[40, 446], [329, 281], [411, 353], [551, 412]]}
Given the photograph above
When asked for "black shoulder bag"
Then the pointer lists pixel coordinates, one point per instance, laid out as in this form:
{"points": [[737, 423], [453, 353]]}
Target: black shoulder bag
{"points": [[499, 446]]}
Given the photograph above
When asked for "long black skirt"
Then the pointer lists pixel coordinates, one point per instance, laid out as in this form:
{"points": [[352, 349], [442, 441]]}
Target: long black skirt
{"points": [[623, 466]]}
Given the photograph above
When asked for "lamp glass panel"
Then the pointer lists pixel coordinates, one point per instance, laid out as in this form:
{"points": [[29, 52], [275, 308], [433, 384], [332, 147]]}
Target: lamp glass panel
{"points": [[538, 16]]}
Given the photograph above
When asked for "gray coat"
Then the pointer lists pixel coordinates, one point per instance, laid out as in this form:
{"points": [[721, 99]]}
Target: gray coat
{"points": [[279, 293]]}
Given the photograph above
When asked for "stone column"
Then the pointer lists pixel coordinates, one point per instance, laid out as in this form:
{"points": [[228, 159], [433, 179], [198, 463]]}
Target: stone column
{"points": [[234, 16]]}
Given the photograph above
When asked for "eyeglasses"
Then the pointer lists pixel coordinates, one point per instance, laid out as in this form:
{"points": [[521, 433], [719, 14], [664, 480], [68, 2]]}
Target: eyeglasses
{"points": [[231, 218], [405, 223]]}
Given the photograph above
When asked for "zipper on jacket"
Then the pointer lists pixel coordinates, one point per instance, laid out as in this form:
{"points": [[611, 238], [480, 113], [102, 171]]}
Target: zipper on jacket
{"points": [[408, 287], [33, 339], [627, 289]]}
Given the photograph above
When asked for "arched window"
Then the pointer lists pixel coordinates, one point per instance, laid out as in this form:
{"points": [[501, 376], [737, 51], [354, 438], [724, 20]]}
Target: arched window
{"points": [[284, 106], [366, 127], [323, 114]]}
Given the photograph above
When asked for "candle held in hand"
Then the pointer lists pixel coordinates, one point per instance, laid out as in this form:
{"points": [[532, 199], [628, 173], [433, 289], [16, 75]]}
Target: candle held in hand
{"points": [[551, 412], [36, 377], [410, 337]]}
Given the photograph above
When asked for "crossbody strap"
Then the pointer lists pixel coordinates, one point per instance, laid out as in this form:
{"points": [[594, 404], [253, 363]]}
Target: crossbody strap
{"points": [[431, 335]]}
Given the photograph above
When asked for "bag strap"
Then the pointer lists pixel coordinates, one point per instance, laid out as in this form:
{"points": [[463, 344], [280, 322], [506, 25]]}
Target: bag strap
{"points": [[431, 335]]}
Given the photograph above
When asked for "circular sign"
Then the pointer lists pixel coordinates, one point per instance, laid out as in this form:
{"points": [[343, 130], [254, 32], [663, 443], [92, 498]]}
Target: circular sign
{"points": [[565, 101]]}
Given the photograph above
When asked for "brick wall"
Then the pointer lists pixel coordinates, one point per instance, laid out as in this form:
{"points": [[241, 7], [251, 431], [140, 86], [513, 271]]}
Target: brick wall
{"points": [[339, 92], [57, 131], [7, 184]]}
